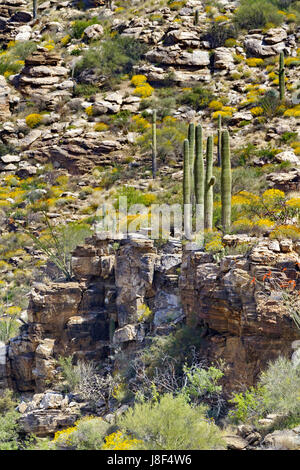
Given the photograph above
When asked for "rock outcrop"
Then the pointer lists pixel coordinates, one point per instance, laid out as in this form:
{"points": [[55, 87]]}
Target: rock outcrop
{"points": [[246, 324]]}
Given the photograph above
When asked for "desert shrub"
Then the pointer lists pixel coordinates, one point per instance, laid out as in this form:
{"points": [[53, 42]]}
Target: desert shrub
{"points": [[170, 136], [7, 401], [164, 104], [253, 14], [9, 324], [114, 57], [270, 103], [85, 90], [87, 434], [33, 120], [78, 26], [170, 423], [8, 421], [219, 33], [198, 97], [134, 196], [58, 242], [9, 431], [22, 50], [100, 127], [84, 379], [248, 406], [281, 382], [277, 392]]}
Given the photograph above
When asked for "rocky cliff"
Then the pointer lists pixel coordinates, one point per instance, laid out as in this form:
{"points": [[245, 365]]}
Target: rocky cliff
{"points": [[246, 323]]}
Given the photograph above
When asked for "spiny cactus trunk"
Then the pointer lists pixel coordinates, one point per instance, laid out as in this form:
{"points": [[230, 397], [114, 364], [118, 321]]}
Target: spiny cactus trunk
{"points": [[219, 140], [226, 182], [35, 8], [186, 188], [191, 137], [199, 180], [281, 76], [209, 184], [154, 145]]}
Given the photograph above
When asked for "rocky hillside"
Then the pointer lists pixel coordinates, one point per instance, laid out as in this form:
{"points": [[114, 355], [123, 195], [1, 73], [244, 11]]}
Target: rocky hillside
{"points": [[97, 101]]}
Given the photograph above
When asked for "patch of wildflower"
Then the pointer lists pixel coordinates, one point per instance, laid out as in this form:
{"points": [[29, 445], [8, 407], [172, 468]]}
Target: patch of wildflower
{"points": [[100, 127], [118, 441], [33, 120], [138, 80]]}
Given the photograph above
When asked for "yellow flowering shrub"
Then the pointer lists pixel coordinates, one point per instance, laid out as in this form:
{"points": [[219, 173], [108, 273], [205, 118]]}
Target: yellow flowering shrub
{"points": [[216, 105], [294, 202], [254, 62], [100, 127], [144, 313], [140, 124], [49, 45], [144, 90], [138, 80], [286, 231], [257, 111], [213, 242], [117, 441], [221, 18], [65, 40], [89, 110], [33, 120]]}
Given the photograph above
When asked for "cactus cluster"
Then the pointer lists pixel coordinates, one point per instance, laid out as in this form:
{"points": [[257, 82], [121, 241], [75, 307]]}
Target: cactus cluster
{"points": [[198, 179]]}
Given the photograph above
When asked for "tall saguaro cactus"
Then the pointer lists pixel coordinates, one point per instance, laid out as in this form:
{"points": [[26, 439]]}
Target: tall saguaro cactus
{"points": [[226, 182], [281, 77], [35, 2], [191, 137], [154, 144], [199, 177], [219, 152], [187, 189], [209, 184]]}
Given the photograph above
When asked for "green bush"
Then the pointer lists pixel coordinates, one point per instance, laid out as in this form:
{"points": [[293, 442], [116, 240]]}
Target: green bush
{"points": [[89, 434], [112, 58], [198, 98], [281, 382], [171, 423], [249, 405], [254, 14], [9, 431], [170, 136], [277, 392], [79, 26]]}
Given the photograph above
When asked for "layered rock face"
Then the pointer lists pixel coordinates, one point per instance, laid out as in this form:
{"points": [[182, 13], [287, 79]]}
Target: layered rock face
{"points": [[43, 76], [240, 302], [246, 321]]}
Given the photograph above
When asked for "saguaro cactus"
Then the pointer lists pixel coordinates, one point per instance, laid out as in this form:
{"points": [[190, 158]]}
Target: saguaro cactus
{"points": [[154, 144], [219, 153], [186, 189], [35, 8], [281, 76], [199, 179], [196, 17], [209, 184], [186, 173], [226, 182], [191, 137]]}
